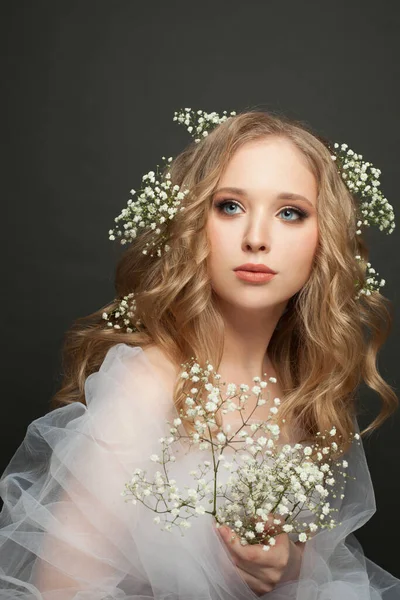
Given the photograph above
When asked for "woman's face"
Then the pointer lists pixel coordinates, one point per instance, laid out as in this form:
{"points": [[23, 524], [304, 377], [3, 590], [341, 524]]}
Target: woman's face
{"points": [[256, 226]]}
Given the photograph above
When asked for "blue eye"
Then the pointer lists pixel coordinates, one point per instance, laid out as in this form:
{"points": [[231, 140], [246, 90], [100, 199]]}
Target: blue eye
{"points": [[220, 206], [301, 213]]}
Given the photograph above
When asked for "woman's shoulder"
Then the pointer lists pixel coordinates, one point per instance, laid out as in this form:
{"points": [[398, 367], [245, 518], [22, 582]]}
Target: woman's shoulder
{"points": [[166, 370]]}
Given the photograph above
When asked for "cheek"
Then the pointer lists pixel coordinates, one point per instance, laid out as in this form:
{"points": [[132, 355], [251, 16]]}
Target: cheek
{"points": [[302, 250], [220, 242]]}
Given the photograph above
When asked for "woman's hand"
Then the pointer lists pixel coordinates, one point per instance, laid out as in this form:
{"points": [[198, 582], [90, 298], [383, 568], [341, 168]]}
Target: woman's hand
{"points": [[263, 570]]}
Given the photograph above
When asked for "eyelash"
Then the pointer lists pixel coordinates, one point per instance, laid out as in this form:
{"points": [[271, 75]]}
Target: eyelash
{"points": [[301, 213]]}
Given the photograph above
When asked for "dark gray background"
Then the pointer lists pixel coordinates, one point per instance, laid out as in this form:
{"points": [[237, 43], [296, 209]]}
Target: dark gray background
{"points": [[89, 92]]}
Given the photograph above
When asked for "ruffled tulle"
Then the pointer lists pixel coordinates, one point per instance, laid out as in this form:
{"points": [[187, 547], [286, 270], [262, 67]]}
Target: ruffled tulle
{"points": [[67, 533]]}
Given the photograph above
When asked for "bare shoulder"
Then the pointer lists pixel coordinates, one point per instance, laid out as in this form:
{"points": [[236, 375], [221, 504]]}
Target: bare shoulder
{"points": [[162, 365]]}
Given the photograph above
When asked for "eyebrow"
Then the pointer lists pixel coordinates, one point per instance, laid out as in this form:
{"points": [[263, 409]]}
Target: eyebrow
{"points": [[281, 196]]}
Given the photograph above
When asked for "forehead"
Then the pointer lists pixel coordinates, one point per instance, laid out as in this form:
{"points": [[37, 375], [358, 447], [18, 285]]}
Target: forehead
{"points": [[270, 166]]}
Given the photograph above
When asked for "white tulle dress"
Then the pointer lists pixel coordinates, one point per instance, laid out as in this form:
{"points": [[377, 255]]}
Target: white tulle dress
{"points": [[67, 533]]}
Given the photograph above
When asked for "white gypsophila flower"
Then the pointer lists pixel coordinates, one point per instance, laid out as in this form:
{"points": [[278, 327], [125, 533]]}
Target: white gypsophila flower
{"points": [[282, 509], [238, 524], [260, 527], [231, 389], [274, 429], [158, 202], [200, 123], [122, 316], [326, 508]]}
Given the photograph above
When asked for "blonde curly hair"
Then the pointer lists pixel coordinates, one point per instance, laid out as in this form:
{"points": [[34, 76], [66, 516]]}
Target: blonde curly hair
{"points": [[326, 343]]}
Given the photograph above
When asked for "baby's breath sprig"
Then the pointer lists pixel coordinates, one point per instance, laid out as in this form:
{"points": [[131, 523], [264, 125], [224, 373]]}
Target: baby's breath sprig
{"points": [[122, 316], [362, 178], [266, 483], [371, 284], [200, 122], [158, 201]]}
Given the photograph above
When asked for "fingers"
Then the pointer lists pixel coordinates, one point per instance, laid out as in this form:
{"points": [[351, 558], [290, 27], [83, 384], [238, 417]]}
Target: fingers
{"points": [[250, 553], [257, 586]]}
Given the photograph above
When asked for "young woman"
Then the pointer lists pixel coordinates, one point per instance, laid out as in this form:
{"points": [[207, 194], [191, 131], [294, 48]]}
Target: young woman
{"points": [[265, 195]]}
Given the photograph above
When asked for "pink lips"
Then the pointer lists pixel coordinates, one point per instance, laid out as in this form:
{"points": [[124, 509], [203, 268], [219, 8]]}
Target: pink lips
{"points": [[255, 272], [254, 276], [255, 268]]}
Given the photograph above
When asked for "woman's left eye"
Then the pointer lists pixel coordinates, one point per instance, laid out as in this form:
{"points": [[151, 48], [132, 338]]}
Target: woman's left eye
{"points": [[302, 214]]}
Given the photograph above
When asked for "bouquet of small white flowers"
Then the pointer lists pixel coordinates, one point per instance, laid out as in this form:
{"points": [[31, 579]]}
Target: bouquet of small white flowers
{"points": [[268, 485]]}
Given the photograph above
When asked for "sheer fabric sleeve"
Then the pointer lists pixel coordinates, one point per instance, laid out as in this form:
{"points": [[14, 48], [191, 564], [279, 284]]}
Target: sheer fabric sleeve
{"points": [[66, 533]]}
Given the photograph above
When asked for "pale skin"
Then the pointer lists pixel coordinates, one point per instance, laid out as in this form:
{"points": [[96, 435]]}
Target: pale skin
{"points": [[256, 226]]}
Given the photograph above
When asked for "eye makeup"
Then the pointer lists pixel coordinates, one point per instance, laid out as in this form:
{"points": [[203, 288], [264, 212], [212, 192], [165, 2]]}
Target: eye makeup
{"points": [[221, 204]]}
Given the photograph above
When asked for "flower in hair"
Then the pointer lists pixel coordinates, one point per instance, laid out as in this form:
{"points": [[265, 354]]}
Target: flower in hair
{"points": [[158, 201], [362, 178], [200, 123], [122, 315]]}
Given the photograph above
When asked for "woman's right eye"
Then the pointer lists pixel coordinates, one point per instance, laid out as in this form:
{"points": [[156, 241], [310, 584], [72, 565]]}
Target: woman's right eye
{"points": [[223, 203]]}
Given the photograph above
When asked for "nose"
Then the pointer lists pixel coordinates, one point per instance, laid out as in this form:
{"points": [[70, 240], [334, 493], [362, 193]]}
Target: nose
{"points": [[256, 237]]}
